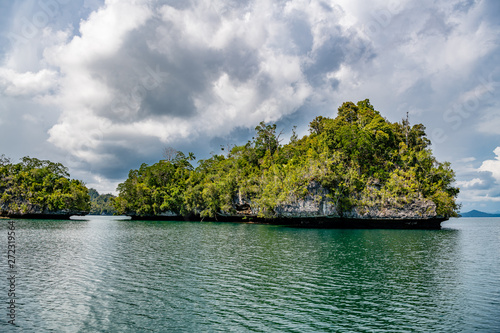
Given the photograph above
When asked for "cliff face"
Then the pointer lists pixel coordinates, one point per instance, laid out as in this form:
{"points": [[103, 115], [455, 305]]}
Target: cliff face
{"points": [[316, 203], [417, 209]]}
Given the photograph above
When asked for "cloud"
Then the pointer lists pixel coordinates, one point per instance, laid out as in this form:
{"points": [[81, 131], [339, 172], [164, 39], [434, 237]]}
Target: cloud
{"points": [[480, 184], [493, 166], [181, 73], [467, 159], [469, 183], [30, 84]]}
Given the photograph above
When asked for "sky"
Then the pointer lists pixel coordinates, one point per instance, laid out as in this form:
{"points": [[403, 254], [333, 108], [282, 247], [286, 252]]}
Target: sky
{"points": [[104, 86]]}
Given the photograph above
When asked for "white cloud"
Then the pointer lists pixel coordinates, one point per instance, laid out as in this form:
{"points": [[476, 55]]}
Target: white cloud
{"points": [[469, 183], [493, 166], [479, 184], [489, 122], [27, 84], [478, 196], [101, 35]]}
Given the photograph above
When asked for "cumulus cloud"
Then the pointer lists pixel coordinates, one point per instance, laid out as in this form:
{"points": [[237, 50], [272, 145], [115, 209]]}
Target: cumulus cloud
{"points": [[181, 73], [493, 166], [469, 183], [480, 184], [27, 84]]}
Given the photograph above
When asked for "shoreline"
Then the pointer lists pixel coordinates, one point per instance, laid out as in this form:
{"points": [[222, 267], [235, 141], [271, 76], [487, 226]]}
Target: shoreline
{"points": [[319, 222], [39, 216]]}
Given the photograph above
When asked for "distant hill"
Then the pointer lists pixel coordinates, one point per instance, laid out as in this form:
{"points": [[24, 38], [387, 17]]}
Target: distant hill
{"points": [[476, 213]]}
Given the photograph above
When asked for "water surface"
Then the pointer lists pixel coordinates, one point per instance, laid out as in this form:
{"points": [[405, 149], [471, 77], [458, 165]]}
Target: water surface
{"points": [[108, 275]]}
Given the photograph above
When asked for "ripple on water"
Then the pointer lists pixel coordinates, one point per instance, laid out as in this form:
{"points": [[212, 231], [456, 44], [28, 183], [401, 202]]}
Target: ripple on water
{"points": [[109, 275]]}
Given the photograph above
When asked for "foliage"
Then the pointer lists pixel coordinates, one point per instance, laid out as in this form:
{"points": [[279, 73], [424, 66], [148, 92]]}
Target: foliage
{"points": [[101, 204], [40, 186], [151, 190], [355, 156]]}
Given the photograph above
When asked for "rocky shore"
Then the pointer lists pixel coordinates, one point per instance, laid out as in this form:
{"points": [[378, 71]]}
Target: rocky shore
{"points": [[324, 222], [41, 216], [318, 210]]}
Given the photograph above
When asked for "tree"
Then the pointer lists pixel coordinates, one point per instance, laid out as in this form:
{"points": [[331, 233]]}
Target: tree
{"points": [[4, 160], [93, 194], [317, 125], [169, 153], [266, 139]]}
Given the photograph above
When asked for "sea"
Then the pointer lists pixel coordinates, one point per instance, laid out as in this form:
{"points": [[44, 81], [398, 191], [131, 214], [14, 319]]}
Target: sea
{"points": [[110, 274]]}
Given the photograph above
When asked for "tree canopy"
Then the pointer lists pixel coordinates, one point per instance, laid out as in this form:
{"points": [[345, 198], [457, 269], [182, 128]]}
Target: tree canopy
{"points": [[39, 186], [101, 204]]}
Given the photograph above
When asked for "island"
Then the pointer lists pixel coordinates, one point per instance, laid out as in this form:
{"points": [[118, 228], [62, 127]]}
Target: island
{"points": [[357, 170], [40, 189], [101, 204], [477, 213]]}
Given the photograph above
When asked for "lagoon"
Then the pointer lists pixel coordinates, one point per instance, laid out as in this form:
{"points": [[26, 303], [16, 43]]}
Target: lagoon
{"points": [[105, 274]]}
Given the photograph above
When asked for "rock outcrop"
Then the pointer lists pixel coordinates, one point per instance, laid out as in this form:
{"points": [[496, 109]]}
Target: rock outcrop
{"points": [[317, 203], [417, 209]]}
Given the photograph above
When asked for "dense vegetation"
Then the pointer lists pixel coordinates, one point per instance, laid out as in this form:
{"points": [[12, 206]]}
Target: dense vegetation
{"points": [[101, 204], [36, 186], [359, 157]]}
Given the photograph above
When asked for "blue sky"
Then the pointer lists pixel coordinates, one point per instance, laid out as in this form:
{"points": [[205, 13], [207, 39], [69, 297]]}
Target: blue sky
{"points": [[103, 86]]}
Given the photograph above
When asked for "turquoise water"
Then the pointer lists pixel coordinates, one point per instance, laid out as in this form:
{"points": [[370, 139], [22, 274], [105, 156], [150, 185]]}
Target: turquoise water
{"points": [[107, 275]]}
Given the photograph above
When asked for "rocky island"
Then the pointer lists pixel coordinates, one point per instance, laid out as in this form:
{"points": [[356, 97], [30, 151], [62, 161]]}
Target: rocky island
{"points": [[357, 170], [40, 189]]}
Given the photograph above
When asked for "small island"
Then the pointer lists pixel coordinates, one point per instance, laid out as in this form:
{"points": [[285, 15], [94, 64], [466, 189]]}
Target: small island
{"points": [[40, 189], [357, 170]]}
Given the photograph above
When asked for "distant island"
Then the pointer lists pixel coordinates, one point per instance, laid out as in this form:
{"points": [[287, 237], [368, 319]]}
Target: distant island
{"points": [[354, 170], [477, 213], [101, 204], [357, 170]]}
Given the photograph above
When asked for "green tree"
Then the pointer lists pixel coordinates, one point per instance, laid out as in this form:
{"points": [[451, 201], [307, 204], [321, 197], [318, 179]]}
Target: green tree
{"points": [[101, 204], [266, 140]]}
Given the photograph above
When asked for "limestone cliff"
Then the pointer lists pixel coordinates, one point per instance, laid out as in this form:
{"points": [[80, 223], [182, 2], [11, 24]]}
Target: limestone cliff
{"points": [[318, 203]]}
